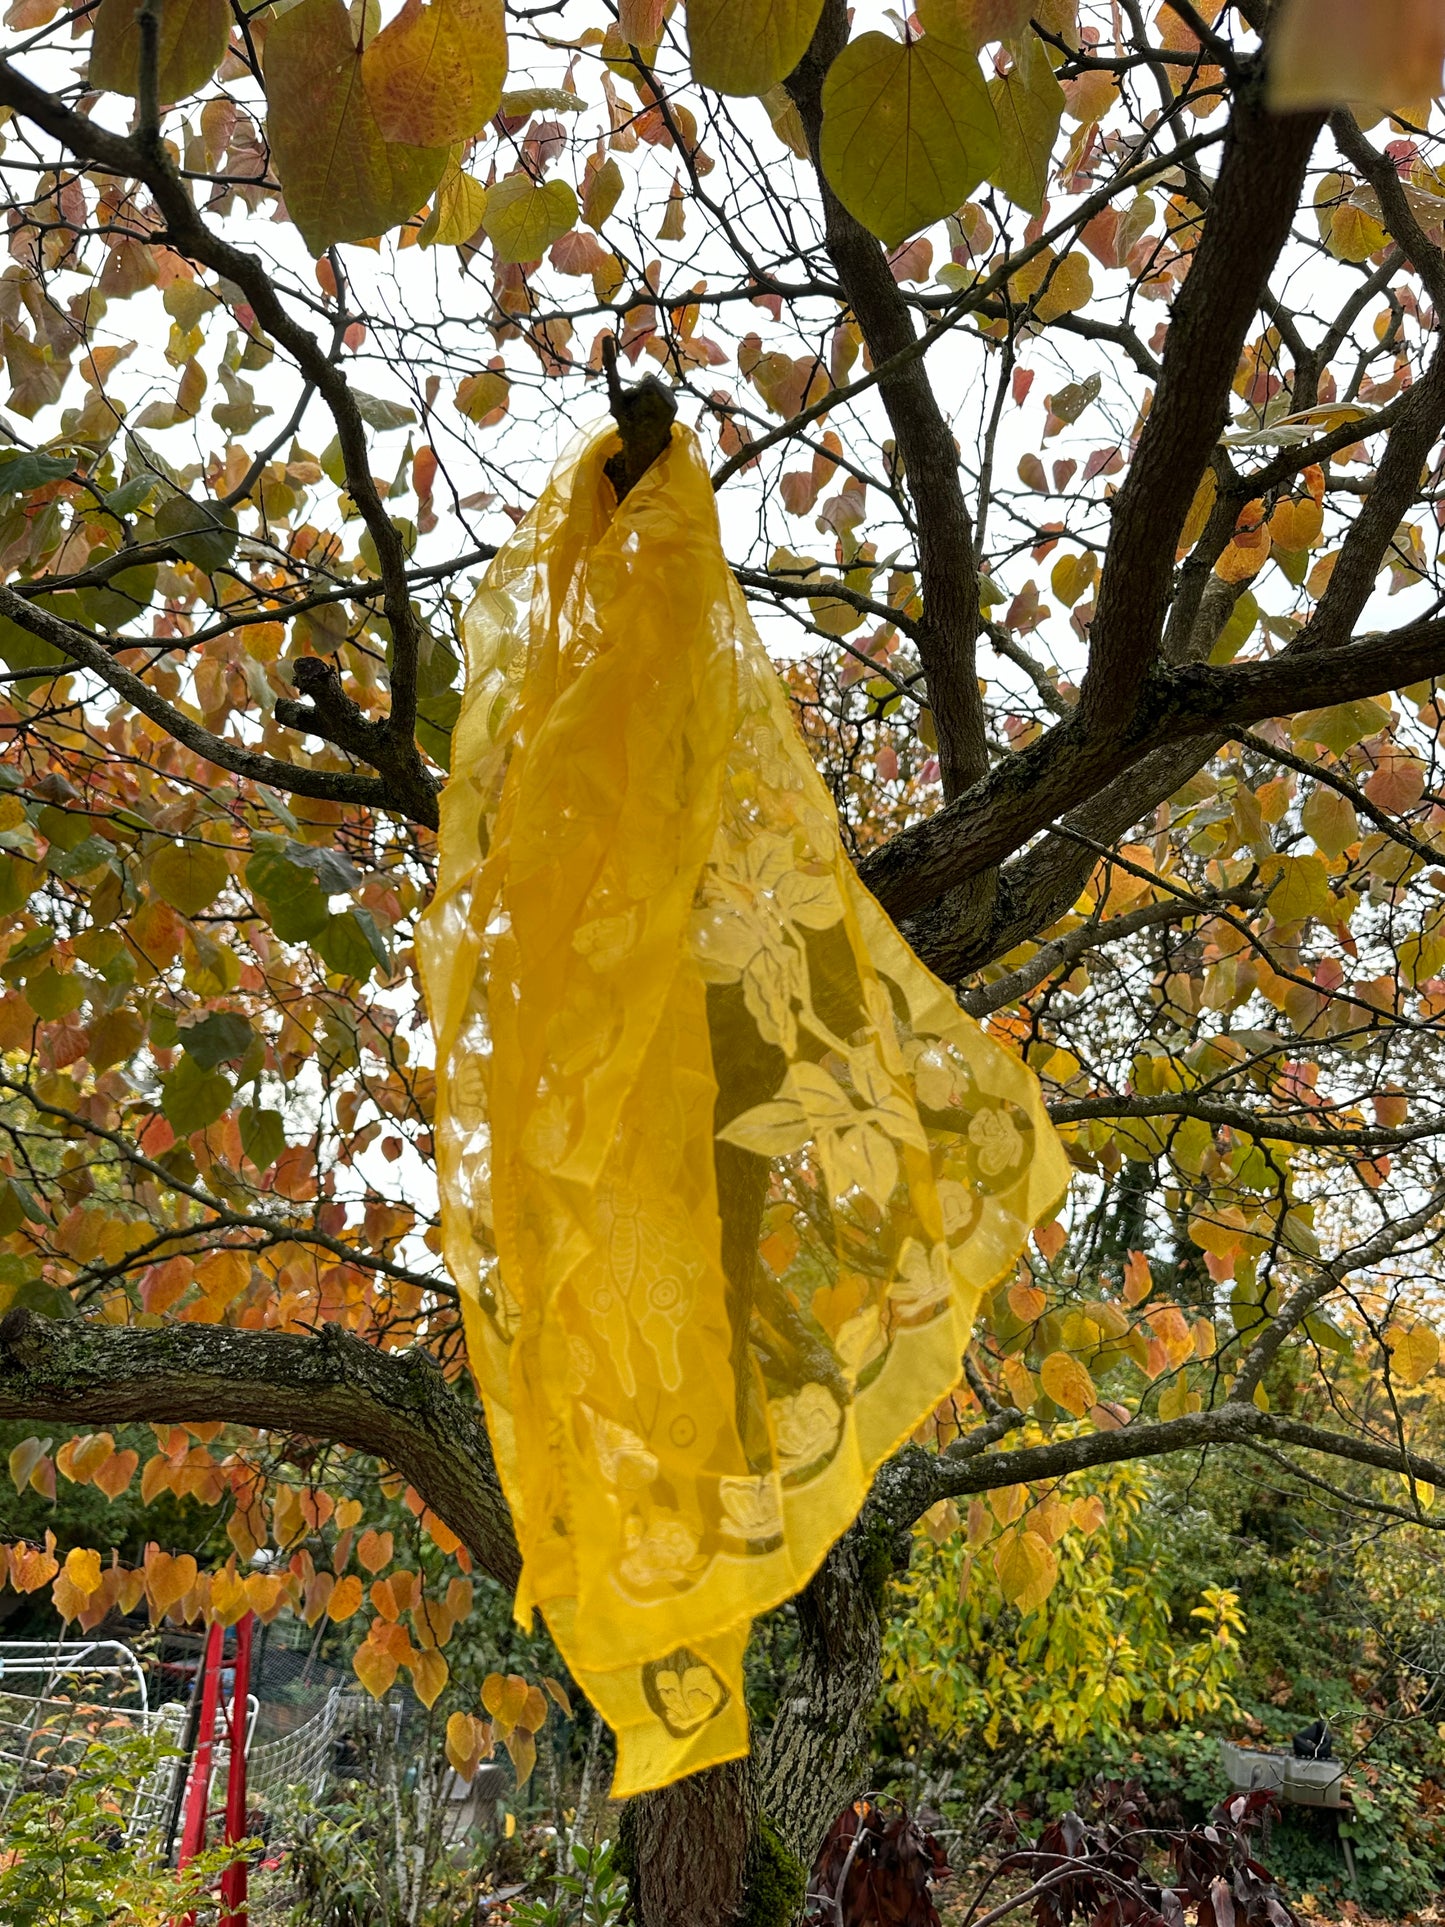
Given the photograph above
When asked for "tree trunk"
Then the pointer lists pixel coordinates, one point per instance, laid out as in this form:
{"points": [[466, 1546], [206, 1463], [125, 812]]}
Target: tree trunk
{"points": [[688, 1847], [733, 1847]]}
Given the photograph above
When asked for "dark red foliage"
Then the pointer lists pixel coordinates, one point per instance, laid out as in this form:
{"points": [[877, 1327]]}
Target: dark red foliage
{"points": [[877, 1869], [1096, 1870]]}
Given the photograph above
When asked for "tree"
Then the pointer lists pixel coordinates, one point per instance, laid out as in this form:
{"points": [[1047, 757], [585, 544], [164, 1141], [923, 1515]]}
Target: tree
{"points": [[1176, 845]]}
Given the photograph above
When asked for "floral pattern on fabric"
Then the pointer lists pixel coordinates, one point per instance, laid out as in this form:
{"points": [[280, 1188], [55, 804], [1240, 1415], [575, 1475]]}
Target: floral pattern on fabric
{"points": [[724, 1169]]}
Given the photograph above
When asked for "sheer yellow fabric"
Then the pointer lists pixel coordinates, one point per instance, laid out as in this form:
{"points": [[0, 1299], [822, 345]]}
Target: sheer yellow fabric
{"points": [[723, 1168]]}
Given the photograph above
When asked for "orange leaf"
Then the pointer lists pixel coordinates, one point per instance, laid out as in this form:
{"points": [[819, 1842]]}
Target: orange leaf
{"points": [[345, 1599], [115, 1475], [374, 1549]]}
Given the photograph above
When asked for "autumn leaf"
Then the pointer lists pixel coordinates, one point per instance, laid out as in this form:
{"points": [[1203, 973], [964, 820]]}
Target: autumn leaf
{"points": [[434, 74], [189, 876], [1026, 1568], [429, 1674], [344, 180], [908, 131], [1067, 1383], [457, 209], [191, 39], [376, 1667], [523, 217], [748, 46], [1414, 1352]]}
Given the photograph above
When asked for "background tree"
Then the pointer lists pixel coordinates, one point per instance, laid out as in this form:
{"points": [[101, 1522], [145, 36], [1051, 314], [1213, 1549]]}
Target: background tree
{"points": [[1168, 815]]}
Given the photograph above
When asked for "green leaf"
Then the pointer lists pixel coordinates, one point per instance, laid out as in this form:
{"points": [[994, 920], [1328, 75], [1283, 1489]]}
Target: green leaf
{"points": [[1029, 104], [193, 39], [222, 1037], [352, 945], [19, 473], [908, 131], [292, 895], [434, 74], [193, 1098], [119, 601], [344, 181], [748, 46], [524, 217], [263, 1136], [189, 876], [200, 532]]}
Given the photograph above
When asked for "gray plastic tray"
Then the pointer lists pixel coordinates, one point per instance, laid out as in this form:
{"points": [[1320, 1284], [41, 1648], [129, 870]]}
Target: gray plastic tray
{"points": [[1306, 1783]]}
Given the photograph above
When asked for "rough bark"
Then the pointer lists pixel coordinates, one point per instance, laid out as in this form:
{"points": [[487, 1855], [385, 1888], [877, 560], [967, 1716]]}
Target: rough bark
{"points": [[333, 1388]]}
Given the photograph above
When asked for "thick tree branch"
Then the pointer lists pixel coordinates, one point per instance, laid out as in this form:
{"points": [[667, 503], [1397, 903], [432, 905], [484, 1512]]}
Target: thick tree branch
{"points": [[948, 573], [1029, 792], [334, 1388], [1252, 205]]}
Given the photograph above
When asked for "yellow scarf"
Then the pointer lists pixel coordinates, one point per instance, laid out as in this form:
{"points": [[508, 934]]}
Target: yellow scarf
{"points": [[723, 1167]]}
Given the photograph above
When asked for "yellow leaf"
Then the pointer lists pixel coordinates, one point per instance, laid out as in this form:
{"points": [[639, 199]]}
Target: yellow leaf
{"points": [[192, 44], [505, 1699], [343, 180], [189, 876], [1200, 510], [168, 1579], [429, 1673], [230, 1600], [748, 46], [1007, 1503], [465, 1744], [524, 217], [1069, 288], [1329, 821], [82, 1569], [434, 75], [559, 1694], [349, 1511], [1029, 104], [1299, 888], [533, 1715], [1067, 1383], [1026, 1569], [483, 394], [1342, 725], [601, 192], [457, 209], [345, 1598], [1414, 1352], [375, 1667], [1020, 1382], [908, 131], [523, 1749]]}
